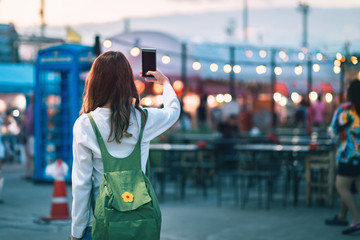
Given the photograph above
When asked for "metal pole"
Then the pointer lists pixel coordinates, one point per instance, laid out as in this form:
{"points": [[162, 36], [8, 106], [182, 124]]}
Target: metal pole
{"points": [[309, 68], [245, 21], [183, 64], [42, 16], [304, 9], [232, 74], [272, 86]]}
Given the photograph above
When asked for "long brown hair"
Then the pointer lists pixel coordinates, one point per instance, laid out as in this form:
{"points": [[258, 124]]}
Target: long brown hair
{"points": [[111, 80]]}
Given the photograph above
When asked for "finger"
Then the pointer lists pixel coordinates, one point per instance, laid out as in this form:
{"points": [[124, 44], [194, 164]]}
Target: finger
{"points": [[151, 72]]}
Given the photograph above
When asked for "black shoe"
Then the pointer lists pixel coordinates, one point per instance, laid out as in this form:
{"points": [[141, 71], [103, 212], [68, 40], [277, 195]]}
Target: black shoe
{"points": [[335, 221], [352, 228]]}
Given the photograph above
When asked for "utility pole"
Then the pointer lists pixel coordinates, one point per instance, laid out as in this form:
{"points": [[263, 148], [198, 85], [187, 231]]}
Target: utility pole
{"points": [[42, 16], [245, 21], [272, 86], [304, 9], [183, 64], [232, 74], [127, 25]]}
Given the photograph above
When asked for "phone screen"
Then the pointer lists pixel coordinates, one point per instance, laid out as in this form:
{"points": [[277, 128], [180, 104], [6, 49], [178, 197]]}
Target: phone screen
{"points": [[148, 61]]}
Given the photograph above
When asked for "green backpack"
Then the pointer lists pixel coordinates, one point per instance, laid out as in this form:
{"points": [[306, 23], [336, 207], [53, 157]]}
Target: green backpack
{"points": [[126, 205]]}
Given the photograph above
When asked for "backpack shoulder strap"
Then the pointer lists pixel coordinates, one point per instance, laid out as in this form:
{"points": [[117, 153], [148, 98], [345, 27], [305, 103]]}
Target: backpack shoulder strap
{"points": [[99, 138], [143, 122]]}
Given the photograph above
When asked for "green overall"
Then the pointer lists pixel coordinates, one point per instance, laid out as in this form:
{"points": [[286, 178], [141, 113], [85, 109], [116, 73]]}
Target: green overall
{"points": [[126, 205]]}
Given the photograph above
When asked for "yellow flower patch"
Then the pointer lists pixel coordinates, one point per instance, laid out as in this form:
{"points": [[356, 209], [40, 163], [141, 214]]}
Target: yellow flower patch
{"points": [[128, 197]]}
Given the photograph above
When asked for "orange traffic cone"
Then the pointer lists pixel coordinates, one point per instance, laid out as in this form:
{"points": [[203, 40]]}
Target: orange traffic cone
{"points": [[59, 203]]}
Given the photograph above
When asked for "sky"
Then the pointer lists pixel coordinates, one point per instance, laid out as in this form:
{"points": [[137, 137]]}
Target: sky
{"points": [[24, 13]]}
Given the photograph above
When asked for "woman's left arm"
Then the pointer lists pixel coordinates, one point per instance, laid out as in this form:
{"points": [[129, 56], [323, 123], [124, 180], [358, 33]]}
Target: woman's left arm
{"points": [[81, 180]]}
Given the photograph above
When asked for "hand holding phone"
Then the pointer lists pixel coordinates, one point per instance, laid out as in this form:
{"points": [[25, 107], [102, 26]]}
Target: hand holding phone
{"points": [[148, 61]]}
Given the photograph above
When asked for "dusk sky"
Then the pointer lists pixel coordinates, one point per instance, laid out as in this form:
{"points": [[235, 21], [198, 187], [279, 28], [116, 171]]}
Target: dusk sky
{"points": [[25, 13]]}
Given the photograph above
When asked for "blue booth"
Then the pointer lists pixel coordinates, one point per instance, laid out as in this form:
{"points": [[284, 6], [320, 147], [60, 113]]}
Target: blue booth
{"points": [[60, 78]]}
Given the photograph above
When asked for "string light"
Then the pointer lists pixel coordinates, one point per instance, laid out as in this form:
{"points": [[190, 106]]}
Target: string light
{"points": [[337, 63], [147, 101], [237, 69], [337, 69], [295, 97], [282, 54], [249, 53], [328, 97], [196, 66], [354, 60], [338, 56], [107, 44], [301, 56], [214, 67], [316, 67], [262, 53], [135, 51], [227, 98], [220, 98], [165, 59], [298, 70], [211, 101], [227, 68], [313, 96], [277, 97], [261, 69], [278, 70], [319, 56], [283, 101]]}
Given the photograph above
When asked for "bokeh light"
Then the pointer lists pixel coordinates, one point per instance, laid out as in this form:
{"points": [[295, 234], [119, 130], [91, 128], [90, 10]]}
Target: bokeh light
{"points": [[165, 59], [214, 67], [298, 70], [337, 69], [296, 98], [237, 69], [277, 96], [278, 70], [261, 69], [227, 98], [227, 68], [220, 98], [107, 44], [196, 66], [328, 97], [313, 96], [316, 67], [135, 51]]}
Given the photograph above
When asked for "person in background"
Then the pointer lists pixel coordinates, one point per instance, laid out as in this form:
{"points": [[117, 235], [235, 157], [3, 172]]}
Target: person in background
{"points": [[202, 113], [29, 136], [3, 122], [229, 128], [319, 111], [346, 125]]}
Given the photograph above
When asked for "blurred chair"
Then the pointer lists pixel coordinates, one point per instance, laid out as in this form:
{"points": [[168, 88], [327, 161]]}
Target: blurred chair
{"points": [[257, 170], [320, 177], [226, 170]]}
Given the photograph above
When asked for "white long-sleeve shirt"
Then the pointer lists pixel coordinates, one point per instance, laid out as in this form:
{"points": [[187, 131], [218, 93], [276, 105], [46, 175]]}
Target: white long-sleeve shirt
{"points": [[87, 162]]}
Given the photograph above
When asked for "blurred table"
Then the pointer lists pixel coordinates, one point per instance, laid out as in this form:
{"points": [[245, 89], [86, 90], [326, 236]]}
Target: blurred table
{"points": [[292, 163], [184, 160]]}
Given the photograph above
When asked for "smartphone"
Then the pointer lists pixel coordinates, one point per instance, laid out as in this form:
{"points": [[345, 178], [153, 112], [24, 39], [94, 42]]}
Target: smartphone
{"points": [[148, 61]]}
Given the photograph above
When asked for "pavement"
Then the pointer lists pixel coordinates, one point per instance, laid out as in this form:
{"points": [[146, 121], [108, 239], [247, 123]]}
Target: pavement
{"points": [[193, 218]]}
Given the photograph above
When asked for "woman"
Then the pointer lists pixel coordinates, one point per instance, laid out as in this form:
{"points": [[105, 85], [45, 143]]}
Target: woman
{"points": [[113, 102], [346, 124]]}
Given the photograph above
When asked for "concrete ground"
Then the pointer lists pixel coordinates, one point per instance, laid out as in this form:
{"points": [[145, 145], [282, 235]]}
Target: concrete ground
{"points": [[194, 218]]}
